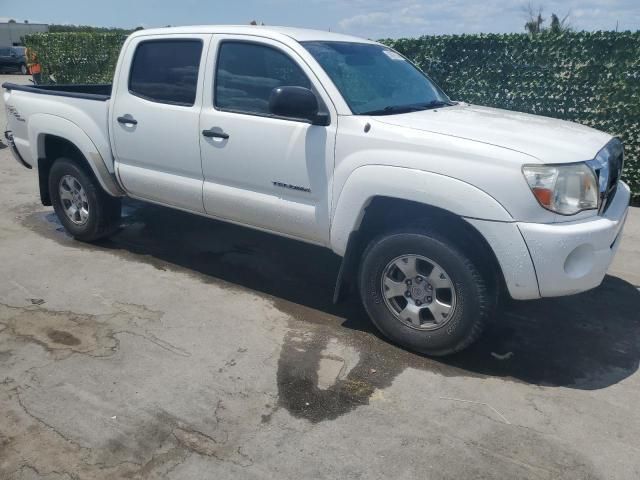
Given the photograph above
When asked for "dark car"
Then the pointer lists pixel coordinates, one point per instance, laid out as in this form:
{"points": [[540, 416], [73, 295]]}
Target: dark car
{"points": [[13, 59]]}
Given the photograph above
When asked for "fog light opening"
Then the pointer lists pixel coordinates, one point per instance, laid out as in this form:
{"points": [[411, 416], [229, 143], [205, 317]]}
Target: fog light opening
{"points": [[580, 261]]}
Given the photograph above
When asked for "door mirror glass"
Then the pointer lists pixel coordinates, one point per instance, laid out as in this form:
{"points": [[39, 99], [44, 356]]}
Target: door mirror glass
{"points": [[296, 102]]}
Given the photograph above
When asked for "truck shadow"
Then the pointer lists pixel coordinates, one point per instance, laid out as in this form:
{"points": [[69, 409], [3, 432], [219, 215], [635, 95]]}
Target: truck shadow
{"points": [[588, 341]]}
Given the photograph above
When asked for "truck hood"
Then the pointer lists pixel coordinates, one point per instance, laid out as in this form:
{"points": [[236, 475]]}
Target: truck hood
{"points": [[547, 139]]}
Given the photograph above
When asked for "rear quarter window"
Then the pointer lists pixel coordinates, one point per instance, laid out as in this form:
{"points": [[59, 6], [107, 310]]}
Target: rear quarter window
{"points": [[166, 71]]}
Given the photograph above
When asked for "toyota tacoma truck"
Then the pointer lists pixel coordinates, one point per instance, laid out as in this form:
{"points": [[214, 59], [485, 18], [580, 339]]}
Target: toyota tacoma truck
{"points": [[436, 207]]}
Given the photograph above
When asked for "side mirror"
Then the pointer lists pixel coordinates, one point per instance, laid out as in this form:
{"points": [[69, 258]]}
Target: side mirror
{"points": [[296, 102]]}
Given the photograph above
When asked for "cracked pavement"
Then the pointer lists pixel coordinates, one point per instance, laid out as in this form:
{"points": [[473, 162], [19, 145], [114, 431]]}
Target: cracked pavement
{"points": [[184, 348]]}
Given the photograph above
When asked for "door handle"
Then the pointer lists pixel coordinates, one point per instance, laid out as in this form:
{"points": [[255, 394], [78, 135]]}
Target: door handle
{"points": [[215, 134], [129, 120]]}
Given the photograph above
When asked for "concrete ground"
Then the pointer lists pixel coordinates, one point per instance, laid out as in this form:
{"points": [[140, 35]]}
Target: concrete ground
{"points": [[188, 349]]}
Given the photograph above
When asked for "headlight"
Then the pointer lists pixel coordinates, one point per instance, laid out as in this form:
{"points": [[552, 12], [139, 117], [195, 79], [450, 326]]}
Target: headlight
{"points": [[564, 189]]}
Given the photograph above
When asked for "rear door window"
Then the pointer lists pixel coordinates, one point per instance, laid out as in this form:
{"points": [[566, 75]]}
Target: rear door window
{"points": [[166, 71]]}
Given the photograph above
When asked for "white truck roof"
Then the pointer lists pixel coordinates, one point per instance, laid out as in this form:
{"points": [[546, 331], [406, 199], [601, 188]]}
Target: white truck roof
{"points": [[298, 34]]}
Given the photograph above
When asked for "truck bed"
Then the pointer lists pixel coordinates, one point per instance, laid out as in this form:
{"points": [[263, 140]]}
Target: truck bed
{"points": [[99, 92], [59, 110]]}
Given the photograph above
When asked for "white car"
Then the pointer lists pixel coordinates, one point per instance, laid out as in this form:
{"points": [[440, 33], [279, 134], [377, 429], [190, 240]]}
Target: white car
{"points": [[436, 206]]}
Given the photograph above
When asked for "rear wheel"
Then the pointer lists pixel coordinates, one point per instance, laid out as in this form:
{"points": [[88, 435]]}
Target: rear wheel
{"points": [[84, 209], [23, 69], [423, 293]]}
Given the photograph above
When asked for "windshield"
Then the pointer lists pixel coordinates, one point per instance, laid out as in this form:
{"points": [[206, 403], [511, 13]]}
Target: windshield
{"points": [[375, 80]]}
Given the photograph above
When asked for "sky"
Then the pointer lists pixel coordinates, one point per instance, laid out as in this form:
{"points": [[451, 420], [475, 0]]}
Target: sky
{"points": [[366, 18]]}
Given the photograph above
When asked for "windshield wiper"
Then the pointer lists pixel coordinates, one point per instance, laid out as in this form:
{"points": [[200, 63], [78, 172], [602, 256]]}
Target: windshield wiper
{"points": [[414, 107], [438, 103]]}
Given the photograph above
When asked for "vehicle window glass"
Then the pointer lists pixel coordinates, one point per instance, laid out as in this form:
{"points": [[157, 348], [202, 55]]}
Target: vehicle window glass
{"points": [[4, 51], [373, 77], [247, 73], [166, 71]]}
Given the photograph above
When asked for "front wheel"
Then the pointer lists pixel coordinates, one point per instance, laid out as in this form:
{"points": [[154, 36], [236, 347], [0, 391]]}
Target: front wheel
{"points": [[86, 211], [423, 293], [23, 69]]}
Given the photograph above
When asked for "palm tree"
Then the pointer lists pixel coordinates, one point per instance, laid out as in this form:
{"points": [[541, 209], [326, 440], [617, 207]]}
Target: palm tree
{"points": [[559, 26], [535, 22]]}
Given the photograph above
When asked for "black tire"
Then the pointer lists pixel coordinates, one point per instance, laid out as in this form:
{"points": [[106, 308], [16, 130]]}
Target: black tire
{"points": [[24, 70], [104, 210], [475, 298]]}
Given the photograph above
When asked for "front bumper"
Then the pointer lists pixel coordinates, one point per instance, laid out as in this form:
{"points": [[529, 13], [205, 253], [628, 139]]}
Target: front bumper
{"points": [[14, 150], [573, 257]]}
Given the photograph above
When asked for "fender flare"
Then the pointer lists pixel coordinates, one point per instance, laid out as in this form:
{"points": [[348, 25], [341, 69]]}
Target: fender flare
{"points": [[485, 214], [41, 125], [419, 186]]}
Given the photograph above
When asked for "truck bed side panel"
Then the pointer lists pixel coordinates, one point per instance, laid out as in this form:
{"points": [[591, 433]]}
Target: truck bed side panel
{"points": [[90, 115]]}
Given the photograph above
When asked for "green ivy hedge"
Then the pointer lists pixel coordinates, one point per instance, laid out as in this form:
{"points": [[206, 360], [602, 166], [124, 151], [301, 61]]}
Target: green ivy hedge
{"points": [[77, 57], [590, 78]]}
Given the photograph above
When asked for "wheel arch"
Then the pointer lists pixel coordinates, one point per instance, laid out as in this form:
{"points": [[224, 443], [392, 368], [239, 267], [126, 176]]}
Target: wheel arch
{"points": [[425, 188], [55, 136], [54, 147], [379, 198], [385, 214]]}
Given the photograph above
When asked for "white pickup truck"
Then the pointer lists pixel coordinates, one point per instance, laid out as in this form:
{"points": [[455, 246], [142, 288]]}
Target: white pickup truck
{"points": [[435, 206]]}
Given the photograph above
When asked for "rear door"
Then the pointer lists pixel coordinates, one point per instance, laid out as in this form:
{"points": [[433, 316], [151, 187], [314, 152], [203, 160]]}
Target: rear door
{"points": [[155, 119]]}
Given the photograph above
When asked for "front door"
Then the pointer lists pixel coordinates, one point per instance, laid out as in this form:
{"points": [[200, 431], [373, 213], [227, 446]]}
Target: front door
{"points": [[259, 169], [155, 119]]}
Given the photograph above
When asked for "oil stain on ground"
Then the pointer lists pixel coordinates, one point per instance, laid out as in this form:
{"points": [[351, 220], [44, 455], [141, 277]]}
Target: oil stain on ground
{"points": [[299, 372], [63, 338], [59, 332], [63, 333], [324, 372]]}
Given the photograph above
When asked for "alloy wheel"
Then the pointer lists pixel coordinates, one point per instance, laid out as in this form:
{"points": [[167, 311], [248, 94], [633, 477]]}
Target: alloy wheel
{"points": [[418, 292], [74, 200]]}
